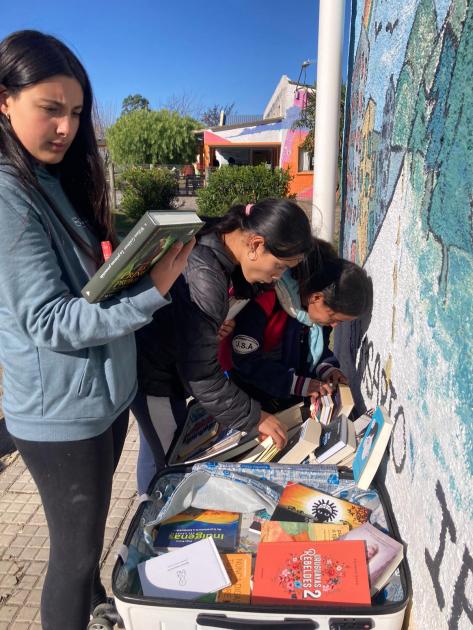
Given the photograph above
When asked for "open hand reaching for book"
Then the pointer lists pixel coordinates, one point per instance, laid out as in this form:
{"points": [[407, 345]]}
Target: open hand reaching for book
{"points": [[270, 426], [166, 271]]}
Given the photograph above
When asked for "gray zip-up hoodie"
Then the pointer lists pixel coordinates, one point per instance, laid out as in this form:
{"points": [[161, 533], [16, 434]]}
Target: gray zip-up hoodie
{"points": [[69, 366]]}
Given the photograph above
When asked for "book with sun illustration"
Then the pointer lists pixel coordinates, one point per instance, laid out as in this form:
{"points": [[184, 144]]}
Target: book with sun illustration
{"points": [[307, 573], [301, 503]]}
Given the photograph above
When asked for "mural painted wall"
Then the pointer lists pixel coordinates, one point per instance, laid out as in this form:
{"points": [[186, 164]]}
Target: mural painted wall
{"points": [[407, 217]]}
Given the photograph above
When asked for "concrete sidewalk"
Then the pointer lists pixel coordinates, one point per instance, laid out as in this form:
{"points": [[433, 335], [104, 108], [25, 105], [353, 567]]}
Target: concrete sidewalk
{"points": [[24, 544]]}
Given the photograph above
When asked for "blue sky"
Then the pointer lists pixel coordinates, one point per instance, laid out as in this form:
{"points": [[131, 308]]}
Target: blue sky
{"points": [[215, 52]]}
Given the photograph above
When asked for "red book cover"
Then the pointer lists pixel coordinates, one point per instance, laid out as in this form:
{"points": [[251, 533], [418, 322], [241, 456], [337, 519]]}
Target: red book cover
{"points": [[308, 573]]}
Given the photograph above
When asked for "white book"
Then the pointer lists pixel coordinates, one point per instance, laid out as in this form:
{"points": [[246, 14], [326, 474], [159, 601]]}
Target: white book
{"points": [[343, 400], [186, 573], [308, 441], [383, 553], [361, 424]]}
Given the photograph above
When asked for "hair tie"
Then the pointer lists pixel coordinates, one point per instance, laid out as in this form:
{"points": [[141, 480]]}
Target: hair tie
{"points": [[248, 208]]}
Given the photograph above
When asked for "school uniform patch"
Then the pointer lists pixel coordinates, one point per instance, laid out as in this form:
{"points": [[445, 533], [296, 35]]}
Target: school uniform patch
{"points": [[242, 344]]}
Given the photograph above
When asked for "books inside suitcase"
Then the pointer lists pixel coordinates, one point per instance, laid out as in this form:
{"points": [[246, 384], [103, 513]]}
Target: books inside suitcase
{"points": [[231, 545]]}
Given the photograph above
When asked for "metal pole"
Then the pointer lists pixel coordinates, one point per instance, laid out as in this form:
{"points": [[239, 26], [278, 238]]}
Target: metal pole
{"points": [[329, 74]]}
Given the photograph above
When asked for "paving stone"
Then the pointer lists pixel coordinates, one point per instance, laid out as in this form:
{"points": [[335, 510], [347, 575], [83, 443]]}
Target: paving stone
{"points": [[19, 597], [24, 542], [27, 613], [34, 598], [7, 613]]}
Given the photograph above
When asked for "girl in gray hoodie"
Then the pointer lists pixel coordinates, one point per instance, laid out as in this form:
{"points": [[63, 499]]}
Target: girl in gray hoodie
{"points": [[69, 366]]}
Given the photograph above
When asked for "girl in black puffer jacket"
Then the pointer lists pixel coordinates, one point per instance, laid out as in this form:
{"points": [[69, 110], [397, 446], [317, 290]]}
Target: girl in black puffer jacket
{"points": [[250, 245]]}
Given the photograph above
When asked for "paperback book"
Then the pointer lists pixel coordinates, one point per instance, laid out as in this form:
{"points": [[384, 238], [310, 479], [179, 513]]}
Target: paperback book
{"points": [[301, 503], [306, 573], [324, 409], [143, 246], [371, 449], [307, 440], [286, 531], [194, 524], [383, 553], [238, 566], [179, 575], [361, 424], [343, 401], [338, 440]]}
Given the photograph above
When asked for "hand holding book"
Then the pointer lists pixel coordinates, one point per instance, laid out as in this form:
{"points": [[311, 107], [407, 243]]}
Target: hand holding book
{"points": [[270, 426], [335, 377], [320, 388], [168, 268]]}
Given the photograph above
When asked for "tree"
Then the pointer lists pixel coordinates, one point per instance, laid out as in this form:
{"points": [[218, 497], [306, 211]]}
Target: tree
{"points": [[133, 103], [184, 103], [307, 119], [152, 137], [103, 117], [210, 117]]}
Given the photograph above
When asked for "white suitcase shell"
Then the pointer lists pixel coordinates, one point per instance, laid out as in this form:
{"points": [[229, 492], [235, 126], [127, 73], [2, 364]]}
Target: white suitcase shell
{"points": [[146, 613]]}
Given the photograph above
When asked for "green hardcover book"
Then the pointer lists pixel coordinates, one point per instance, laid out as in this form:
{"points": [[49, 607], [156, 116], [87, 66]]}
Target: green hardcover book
{"points": [[144, 245]]}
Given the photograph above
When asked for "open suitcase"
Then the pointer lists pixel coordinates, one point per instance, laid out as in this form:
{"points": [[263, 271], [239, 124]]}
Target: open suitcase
{"points": [[137, 612]]}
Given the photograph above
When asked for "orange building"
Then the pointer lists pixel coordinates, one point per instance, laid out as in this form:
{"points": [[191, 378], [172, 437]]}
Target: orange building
{"points": [[269, 139]]}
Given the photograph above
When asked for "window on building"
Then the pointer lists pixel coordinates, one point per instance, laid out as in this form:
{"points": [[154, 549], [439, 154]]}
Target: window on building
{"points": [[306, 161]]}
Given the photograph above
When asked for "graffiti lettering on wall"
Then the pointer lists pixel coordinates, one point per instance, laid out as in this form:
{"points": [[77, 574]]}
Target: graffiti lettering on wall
{"points": [[460, 603], [382, 391]]}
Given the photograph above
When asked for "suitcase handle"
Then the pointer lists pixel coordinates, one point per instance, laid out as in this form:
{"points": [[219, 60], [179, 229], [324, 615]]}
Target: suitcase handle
{"points": [[222, 621]]}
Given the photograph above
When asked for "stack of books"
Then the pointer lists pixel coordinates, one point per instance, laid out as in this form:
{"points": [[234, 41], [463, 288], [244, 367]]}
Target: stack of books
{"points": [[337, 443], [201, 440], [315, 548], [330, 407]]}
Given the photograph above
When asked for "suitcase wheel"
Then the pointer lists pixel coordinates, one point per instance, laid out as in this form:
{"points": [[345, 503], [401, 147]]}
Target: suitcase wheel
{"points": [[100, 623]]}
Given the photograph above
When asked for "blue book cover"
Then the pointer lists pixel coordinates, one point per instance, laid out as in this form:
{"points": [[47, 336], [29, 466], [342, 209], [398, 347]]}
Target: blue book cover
{"points": [[371, 447], [193, 525]]}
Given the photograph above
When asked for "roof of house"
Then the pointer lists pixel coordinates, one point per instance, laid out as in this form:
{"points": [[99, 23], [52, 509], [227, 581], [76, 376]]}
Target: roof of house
{"points": [[254, 123]]}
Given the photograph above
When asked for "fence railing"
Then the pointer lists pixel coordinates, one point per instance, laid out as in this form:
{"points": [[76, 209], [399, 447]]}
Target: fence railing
{"points": [[240, 119], [186, 184]]}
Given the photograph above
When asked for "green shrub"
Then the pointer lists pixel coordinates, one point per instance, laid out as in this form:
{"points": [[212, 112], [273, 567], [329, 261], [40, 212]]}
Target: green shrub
{"points": [[147, 189], [230, 185]]}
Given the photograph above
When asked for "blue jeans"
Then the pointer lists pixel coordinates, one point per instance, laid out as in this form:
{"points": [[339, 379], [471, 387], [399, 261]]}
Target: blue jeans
{"points": [[159, 419]]}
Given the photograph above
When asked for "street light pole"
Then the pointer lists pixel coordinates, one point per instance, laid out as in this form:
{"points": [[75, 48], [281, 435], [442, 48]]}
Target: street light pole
{"points": [[327, 116]]}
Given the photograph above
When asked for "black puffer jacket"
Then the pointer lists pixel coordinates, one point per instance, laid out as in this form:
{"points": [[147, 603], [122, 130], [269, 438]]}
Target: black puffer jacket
{"points": [[199, 307], [157, 356]]}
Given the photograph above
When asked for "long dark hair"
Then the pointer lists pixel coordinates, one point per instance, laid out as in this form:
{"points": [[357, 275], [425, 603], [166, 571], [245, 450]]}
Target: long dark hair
{"points": [[346, 287], [26, 58], [281, 222]]}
